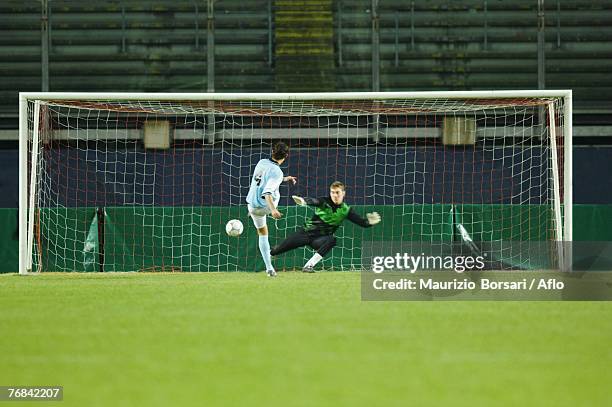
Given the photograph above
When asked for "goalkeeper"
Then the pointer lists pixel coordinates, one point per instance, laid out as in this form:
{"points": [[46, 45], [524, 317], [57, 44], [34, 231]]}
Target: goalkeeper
{"points": [[318, 232]]}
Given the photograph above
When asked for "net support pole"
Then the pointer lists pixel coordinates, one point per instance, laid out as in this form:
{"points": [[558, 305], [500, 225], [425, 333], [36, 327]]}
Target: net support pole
{"points": [[556, 189], [23, 182], [30, 247], [568, 200]]}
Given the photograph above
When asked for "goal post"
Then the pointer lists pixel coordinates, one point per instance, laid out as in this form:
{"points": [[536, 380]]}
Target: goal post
{"points": [[146, 181]]}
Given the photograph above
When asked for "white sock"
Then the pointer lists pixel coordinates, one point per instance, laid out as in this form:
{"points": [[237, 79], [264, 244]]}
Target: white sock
{"points": [[314, 260], [264, 248]]}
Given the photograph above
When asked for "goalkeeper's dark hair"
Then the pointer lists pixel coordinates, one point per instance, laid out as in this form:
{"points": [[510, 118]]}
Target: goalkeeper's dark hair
{"points": [[337, 184], [280, 151]]}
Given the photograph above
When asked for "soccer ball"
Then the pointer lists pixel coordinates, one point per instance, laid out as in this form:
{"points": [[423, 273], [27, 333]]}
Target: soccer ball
{"points": [[234, 228]]}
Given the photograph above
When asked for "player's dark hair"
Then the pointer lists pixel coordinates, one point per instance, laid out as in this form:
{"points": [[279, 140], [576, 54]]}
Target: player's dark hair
{"points": [[280, 151], [337, 184]]}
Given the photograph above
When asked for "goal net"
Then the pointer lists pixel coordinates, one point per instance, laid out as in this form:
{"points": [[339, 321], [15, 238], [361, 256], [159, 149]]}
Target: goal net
{"points": [[146, 182]]}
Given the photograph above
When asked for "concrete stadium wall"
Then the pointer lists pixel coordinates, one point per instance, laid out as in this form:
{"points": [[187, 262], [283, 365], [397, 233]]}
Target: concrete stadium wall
{"points": [[385, 175]]}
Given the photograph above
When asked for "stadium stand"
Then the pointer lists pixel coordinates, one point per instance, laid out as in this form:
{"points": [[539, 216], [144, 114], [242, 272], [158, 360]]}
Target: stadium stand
{"points": [[479, 45], [161, 46]]}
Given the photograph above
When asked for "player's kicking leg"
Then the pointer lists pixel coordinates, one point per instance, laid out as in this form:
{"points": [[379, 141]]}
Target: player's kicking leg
{"points": [[322, 245], [259, 220]]}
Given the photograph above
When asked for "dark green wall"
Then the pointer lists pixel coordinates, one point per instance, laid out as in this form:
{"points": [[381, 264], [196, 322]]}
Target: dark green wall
{"points": [[197, 241]]}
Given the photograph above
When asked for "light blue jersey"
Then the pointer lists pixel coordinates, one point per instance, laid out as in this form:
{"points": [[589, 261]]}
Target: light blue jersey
{"points": [[267, 178]]}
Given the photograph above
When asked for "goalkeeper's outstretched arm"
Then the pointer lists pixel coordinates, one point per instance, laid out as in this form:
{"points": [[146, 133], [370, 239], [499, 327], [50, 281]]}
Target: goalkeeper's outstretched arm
{"points": [[303, 201], [370, 220]]}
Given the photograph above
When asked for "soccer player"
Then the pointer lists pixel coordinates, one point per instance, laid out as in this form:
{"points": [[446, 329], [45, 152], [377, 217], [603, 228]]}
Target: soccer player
{"points": [[263, 197], [318, 232]]}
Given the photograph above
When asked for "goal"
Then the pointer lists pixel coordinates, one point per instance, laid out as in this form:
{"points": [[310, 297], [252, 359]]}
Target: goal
{"points": [[146, 182]]}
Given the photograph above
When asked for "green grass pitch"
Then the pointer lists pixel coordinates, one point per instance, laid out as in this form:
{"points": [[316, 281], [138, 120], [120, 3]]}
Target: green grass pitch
{"points": [[300, 340]]}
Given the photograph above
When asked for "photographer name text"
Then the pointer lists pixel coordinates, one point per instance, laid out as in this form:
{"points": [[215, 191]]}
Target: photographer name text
{"points": [[466, 284]]}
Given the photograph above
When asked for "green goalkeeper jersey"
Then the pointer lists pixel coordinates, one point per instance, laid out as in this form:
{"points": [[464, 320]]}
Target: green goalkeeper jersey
{"points": [[328, 216]]}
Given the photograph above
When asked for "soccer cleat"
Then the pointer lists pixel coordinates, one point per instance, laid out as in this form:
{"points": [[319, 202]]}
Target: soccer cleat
{"points": [[271, 273], [308, 269]]}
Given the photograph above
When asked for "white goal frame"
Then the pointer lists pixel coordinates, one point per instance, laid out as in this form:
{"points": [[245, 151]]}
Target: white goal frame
{"points": [[26, 208]]}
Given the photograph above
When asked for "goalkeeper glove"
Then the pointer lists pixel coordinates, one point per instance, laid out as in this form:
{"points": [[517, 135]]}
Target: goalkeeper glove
{"points": [[373, 218], [299, 200]]}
